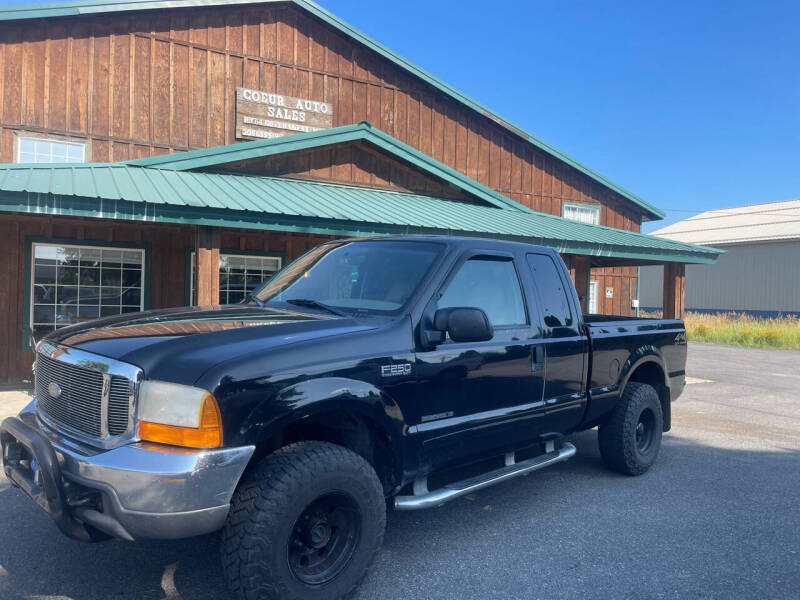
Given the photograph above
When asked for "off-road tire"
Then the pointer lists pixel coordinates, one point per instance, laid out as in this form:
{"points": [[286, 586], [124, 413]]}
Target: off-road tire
{"points": [[617, 437], [266, 508]]}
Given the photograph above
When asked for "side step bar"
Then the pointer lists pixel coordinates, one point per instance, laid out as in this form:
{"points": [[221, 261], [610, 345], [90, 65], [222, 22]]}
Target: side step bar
{"points": [[423, 498]]}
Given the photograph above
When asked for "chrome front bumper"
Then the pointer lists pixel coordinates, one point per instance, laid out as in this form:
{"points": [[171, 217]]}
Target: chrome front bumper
{"points": [[134, 491]]}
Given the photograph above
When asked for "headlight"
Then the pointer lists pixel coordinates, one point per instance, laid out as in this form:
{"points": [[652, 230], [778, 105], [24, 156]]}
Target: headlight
{"points": [[179, 415]]}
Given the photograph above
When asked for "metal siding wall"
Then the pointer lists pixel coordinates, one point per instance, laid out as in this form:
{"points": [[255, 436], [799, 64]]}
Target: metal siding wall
{"points": [[758, 277]]}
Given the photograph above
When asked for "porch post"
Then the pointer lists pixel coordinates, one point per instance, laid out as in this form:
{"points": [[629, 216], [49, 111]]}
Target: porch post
{"points": [[207, 241], [674, 280], [582, 268]]}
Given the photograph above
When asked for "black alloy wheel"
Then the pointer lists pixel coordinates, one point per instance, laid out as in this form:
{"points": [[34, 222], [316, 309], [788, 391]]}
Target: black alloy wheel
{"points": [[324, 538], [645, 431]]}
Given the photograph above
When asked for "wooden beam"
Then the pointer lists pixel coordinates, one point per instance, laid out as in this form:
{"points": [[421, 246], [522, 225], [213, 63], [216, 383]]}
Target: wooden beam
{"points": [[582, 268], [207, 265], [674, 288]]}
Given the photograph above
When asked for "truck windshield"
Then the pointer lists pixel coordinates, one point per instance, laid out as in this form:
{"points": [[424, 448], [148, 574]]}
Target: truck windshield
{"points": [[364, 277]]}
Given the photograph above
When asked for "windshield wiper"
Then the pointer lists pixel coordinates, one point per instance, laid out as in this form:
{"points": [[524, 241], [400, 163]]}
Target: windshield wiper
{"points": [[315, 304]]}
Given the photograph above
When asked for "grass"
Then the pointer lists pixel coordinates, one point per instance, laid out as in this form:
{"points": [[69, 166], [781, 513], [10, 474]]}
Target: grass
{"points": [[743, 330]]}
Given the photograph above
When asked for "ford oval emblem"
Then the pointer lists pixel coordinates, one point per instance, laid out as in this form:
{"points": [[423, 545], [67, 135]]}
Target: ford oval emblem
{"points": [[54, 389]]}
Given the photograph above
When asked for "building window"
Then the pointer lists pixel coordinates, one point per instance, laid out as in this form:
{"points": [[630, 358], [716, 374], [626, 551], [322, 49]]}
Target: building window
{"points": [[583, 213], [239, 274], [31, 149], [594, 287], [70, 284]]}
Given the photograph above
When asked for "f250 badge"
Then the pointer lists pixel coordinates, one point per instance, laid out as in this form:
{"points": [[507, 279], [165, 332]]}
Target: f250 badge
{"points": [[396, 370]]}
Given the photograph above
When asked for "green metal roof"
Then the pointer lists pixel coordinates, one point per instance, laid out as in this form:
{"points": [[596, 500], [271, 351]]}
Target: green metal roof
{"points": [[87, 7], [210, 157], [117, 191]]}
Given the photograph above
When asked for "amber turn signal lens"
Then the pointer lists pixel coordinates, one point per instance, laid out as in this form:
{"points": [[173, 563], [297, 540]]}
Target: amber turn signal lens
{"points": [[208, 434]]}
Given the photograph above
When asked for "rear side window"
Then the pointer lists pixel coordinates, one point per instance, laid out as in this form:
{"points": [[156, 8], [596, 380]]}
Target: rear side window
{"points": [[491, 285], [552, 291]]}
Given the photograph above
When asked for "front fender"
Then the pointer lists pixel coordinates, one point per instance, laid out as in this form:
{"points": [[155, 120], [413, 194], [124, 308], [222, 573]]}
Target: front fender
{"points": [[312, 397]]}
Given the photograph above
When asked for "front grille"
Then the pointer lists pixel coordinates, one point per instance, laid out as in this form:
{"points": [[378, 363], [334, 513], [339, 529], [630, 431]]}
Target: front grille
{"points": [[80, 403], [79, 406], [118, 405]]}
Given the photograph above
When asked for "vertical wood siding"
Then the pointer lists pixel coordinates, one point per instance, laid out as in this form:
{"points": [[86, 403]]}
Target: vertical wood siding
{"points": [[352, 163], [135, 85]]}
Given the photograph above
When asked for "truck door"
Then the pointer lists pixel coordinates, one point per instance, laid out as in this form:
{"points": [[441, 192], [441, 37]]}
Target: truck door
{"points": [[474, 397], [566, 348]]}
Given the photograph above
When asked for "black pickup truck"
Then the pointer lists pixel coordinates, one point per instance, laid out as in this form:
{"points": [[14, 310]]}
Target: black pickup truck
{"points": [[416, 369]]}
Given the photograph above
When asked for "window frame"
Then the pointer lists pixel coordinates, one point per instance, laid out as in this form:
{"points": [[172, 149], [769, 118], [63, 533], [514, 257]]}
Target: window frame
{"points": [[22, 135], [496, 255], [593, 283], [27, 295], [597, 208], [188, 287]]}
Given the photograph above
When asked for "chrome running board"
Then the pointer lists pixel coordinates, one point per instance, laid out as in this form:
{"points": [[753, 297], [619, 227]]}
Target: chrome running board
{"points": [[423, 498]]}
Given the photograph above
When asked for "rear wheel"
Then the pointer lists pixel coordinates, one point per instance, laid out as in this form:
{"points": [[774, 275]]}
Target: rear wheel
{"points": [[631, 438], [305, 524]]}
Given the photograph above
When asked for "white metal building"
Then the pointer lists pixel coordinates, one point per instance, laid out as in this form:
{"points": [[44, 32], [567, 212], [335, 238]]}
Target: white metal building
{"points": [[759, 272]]}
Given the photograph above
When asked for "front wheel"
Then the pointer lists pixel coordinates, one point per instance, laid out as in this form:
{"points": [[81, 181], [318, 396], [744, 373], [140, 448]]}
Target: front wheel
{"points": [[304, 524], [631, 437]]}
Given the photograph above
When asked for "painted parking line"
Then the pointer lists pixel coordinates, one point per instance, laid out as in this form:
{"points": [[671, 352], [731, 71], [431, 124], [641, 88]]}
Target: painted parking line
{"points": [[693, 380]]}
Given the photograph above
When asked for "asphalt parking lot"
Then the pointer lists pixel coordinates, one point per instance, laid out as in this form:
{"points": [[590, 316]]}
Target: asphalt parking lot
{"points": [[717, 517]]}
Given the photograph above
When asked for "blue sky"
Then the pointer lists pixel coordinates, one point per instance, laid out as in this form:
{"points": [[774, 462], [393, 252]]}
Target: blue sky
{"points": [[690, 104]]}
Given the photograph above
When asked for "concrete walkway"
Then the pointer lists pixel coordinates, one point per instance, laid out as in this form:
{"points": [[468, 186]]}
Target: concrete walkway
{"points": [[11, 402]]}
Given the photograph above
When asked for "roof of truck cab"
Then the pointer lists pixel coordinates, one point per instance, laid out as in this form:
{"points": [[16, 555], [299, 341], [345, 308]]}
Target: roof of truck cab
{"points": [[450, 240]]}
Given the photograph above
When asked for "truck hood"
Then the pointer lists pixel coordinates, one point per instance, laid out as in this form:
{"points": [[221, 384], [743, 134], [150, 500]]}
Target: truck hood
{"points": [[180, 344]]}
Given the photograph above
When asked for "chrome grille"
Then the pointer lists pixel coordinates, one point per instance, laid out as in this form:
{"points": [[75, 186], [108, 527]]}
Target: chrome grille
{"points": [[87, 396], [119, 401], [79, 405]]}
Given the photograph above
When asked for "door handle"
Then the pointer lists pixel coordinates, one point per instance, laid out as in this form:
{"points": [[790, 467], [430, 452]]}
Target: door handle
{"points": [[537, 358]]}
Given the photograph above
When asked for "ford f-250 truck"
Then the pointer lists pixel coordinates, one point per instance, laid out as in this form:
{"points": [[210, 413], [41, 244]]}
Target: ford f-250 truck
{"points": [[414, 368]]}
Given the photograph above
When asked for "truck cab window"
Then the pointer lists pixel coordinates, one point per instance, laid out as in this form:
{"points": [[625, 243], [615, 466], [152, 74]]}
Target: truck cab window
{"points": [[552, 291], [369, 277], [491, 285]]}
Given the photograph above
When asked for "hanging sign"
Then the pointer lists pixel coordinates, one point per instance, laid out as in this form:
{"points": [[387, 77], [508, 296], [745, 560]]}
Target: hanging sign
{"points": [[262, 115]]}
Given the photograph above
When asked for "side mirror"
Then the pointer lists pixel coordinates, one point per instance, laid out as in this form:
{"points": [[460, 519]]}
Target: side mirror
{"points": [[464, 324]]}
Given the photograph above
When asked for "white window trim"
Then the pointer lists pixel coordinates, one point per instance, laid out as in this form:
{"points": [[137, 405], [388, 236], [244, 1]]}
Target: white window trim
{"points": [[245, 254], [593, 301], [20, 135], [32, 272], [597, 208]]}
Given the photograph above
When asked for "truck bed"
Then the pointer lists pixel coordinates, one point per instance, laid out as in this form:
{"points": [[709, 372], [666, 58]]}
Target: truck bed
{"points": [[592, 319], [616, 342]]}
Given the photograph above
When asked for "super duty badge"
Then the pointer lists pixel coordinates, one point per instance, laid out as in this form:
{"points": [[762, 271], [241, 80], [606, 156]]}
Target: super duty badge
{"points": [[396, 370]]}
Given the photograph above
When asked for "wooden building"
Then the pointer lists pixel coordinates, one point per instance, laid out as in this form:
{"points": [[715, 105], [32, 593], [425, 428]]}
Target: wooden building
{"points": [[172, 92]]}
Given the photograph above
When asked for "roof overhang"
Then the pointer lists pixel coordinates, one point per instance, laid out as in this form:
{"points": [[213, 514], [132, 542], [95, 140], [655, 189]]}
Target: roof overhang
{"points": [[147, 194], [208, 158]]}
